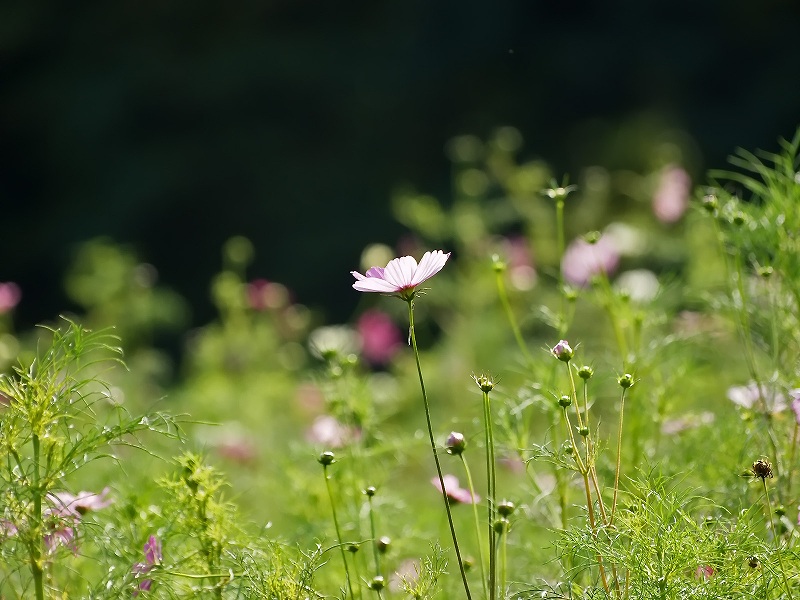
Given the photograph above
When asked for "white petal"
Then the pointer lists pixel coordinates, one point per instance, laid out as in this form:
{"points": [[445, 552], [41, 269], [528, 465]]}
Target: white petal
{"points": [[400, 271], [372, 284], [430, 265]]}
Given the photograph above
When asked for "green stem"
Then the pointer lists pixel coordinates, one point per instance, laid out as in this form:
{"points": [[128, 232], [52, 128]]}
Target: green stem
{"points": [[619, 455], [36, 544], [777, 540], [374, 538], [338, 530], [512, 321], [433, 448], [477, 524], [492, 500], [562, 317]]}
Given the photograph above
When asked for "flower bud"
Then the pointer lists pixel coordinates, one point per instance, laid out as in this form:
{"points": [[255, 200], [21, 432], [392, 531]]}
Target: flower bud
{"points": [[765, 272], [780, 510], [377, 583], [562, 351], [585, 372], [564, 401], [326, 458], [625, 381], [567, 448], [739, 218], [500, 526], [583, 431], [752, 562], [456, 443], [710, 203], [484, 382], [370, 491], [383, 543], [498, 264], [505, 508], [592, 237], [352, 548]]}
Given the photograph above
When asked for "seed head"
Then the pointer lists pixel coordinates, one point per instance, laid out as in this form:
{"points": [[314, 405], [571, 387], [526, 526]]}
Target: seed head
{"points": [[762, 469]]}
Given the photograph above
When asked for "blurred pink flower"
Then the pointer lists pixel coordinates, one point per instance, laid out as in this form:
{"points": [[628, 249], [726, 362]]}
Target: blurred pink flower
{"points": [[65, 504], [266, 295], [10, 295], [671, 198], [455, 493], [237, 449], [704, 572], [380, 337], [583, 260], [521, 271], [748, 396], [402, 275], [795, 394], [152, 557], [329, 432]]}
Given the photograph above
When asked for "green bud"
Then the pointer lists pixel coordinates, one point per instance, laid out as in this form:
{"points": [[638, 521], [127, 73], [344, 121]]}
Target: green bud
{"points": [[484, 382], [625, 381], [352, 548], [326, 458], [765, 272], [383, 544], [710, 203], [370, 491], [567, 448], [739, 218], [592, 237], [585, 372], [377, 583], [564, 401], [506, 508], [498, 264], [500, 526], [583, 431]]}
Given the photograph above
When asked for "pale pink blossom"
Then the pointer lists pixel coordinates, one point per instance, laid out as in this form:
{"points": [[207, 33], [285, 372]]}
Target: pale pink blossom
{"points": [[10, 295], [795, 394], [65, 504], [267, 295], [749, 397], [671, 199], [329, 432], [64, 514], [582, 260], [402, 275], [704, 572], [380, 337], [455, 493]]}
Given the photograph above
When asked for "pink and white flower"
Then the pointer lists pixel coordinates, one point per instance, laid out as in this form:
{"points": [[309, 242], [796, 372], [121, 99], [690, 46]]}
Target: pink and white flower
{"points": [[454, 492], [402, 275], [152, 557]]}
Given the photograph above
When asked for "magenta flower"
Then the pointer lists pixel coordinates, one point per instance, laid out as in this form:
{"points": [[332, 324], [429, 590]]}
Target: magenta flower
{"points": [[380, 337], [64, 515], [455, 493], [65, 504], [152, 557], [10, 295], [562, 351], [402, 275]]}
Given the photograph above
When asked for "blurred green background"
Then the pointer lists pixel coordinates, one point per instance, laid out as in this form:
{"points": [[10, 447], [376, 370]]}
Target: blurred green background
{"points": [[171, 127]]}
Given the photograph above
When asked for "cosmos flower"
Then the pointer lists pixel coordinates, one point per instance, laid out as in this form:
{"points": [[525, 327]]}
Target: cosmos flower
{"points": [[380, 337], [582, 260], [748, 396], [10, 295], [152, 557], [402, 275], [671, 199], [455, 493]]}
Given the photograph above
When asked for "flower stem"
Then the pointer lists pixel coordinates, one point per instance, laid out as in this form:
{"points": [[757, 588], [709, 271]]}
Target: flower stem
{"points": [[512, 321], [777, 540], [477, 524], [619, 454], [36, 544], [374, 538], [338, 530], [562, 317], [492, 495], [433, 448]]}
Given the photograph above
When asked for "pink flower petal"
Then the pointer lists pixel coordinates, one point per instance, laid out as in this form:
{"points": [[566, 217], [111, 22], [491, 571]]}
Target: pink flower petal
{"points": [[400, 271], [374, 285], [430, 265]]}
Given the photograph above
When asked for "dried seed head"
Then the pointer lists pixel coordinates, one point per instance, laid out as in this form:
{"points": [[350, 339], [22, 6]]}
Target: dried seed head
{"points": [[762, 469]]}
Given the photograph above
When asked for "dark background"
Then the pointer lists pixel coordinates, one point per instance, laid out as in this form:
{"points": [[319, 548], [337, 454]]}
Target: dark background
{"points": [[171, 126]]}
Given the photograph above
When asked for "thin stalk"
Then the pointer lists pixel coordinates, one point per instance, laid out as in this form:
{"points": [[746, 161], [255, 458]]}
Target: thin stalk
{"points": [[477, 524], [791, 458], [492, 501], [433, 448], [36, 545], [375, 555], [503, 563], [338, 530], [619, 454], [777, 539], [512, 321], [562, 317]]}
